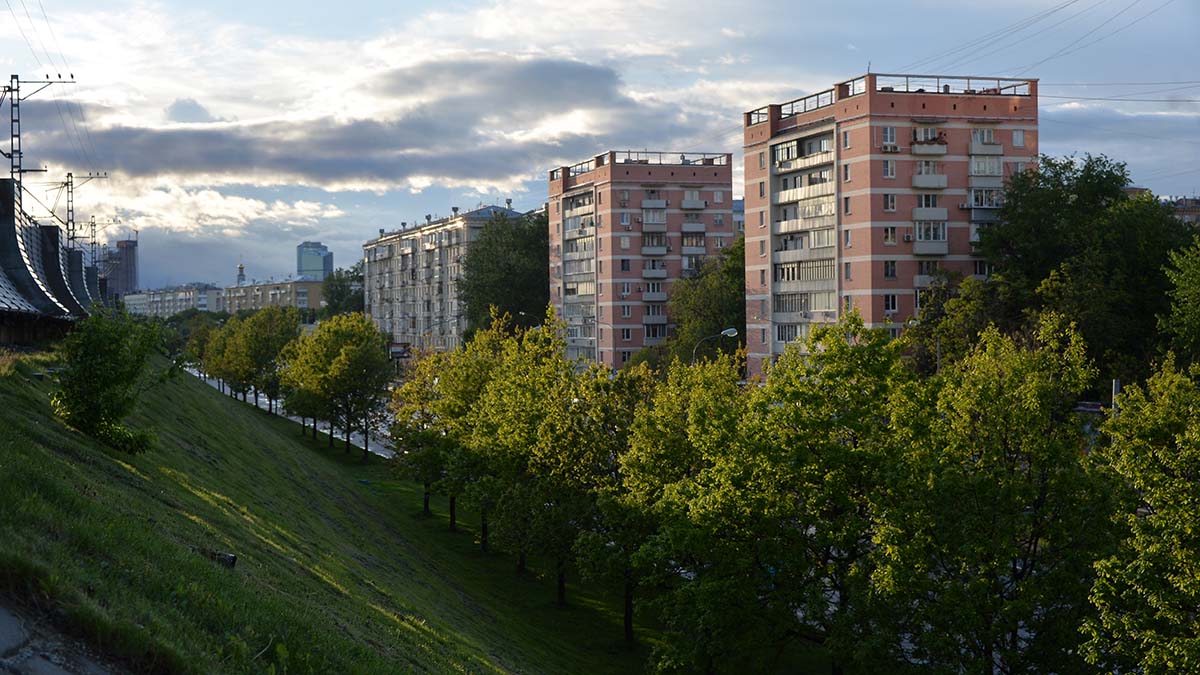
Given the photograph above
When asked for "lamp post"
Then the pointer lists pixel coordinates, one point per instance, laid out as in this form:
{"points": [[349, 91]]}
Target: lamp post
{"points": [[728, 332], [937, 345]]}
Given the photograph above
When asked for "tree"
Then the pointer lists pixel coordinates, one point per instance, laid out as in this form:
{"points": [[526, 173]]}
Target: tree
{"points": [[986, 538], [265, 334], [344, 364], [1070, 240], [702, 306], [342, 291], [1182, 322], [507, 268], [1147, 590], [105, 371]]}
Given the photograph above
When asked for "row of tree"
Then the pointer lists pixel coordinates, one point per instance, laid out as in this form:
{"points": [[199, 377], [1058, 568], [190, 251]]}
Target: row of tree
{"points": [[338, 372], [969, 522]]}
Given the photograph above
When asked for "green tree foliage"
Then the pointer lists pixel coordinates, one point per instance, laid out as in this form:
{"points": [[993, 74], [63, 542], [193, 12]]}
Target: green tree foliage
{"points": [[264, 336], [344, 365], [1070, 240], [342, 291], [986, 544], [1147, 592], [105, 370], [507, 268], [1181, 323], [704, 305]]}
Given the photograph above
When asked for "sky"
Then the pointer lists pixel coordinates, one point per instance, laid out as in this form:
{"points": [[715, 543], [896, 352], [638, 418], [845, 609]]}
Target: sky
{"points": [[230, 132]]}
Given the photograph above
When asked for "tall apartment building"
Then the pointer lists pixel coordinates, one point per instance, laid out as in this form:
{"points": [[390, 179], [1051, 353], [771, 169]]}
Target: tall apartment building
{"points": [[856, 196], [119, 270], [410, 278], [313, 260], [623, 227]]}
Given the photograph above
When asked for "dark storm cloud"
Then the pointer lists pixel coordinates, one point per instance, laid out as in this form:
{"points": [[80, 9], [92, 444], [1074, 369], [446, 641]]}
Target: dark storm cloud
{"points": [[453, 133]]}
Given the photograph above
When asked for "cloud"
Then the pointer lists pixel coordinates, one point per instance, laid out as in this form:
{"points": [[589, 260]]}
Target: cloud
{"points": [[188, 111]]}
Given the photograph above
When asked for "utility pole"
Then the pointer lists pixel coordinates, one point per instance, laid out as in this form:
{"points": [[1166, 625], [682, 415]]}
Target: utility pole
{"points": [[69, 184], [14, 154]]}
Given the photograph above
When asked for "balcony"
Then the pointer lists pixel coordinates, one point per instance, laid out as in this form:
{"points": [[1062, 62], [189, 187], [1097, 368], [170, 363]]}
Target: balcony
{"points": [[986, 182], [922, 280], [794, 255], [654, 273], [660, 319], [929, 182], [654, 203], [692, 227], [985, 215], [693, 250], [800, 224], [986, 148], [815, 159], [693, 204], [654, 227], [931, 247], [654, 250], [929, 213], [584, 210], [796, 194], [578, 232], [928, 148], [654, 297]]}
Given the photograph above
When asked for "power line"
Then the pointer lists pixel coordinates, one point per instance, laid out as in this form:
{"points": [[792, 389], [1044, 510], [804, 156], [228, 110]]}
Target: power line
{"points": [[66, 66], [1126, 100], [1114, 84], [1068, 49], [1031, 36]]}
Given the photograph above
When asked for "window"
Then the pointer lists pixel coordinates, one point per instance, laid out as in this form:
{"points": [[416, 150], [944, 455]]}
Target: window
{"points": [[930, 230], [847, 270], [762, 188], [889, 135], [928, 267], [889, 202], [889, 269], [982, 268], [846, 205], [692, 239], [927, 201], [848, 303], [889, 168], [925, 134], [762, 220], [985, 165], [986, 198], [762, 248], [1018, 167], [889, 234], [654, 216], [786, 151], [655, 331], [625, 219], [846, 238], [845, 139], [889, 303], [762, 335], [625, 288], [625, 356], [718, 242], [1018, 138], [718, 196], [625, 264], [817, 177], [762, 160], [624, 243], [821, 238], [845, 173], [626, 334], [762, 277], [691, 195], [807, 270], [656, 309], [718, 218], [927, 167], [983, 135], [624, 194]]}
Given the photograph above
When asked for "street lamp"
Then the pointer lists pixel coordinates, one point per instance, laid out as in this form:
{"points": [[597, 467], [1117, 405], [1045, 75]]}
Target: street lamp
{"points": [[937, 345], [728, 332]]}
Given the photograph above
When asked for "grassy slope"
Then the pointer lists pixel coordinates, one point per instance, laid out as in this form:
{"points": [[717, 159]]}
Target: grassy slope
{"points": [[334, 574]]}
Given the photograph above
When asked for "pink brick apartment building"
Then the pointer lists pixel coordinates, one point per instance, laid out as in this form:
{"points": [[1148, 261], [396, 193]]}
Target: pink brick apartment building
{"points": [[857, 195], [623, 227]]}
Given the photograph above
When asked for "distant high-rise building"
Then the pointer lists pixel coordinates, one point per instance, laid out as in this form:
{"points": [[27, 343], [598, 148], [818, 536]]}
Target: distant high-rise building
{"points": [[313, 260], [119, 270]]}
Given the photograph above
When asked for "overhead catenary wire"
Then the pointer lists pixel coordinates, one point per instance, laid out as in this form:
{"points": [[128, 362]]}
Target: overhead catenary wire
{"points": [[1070, 47], [87, 134], [960, 63]]}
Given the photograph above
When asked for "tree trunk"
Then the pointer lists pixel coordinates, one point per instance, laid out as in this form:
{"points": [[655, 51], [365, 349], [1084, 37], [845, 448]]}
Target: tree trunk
{"points": [[366, 442], [628, 605], [256, 397], [483, 532], [347, 431], [331, 434], [453, 513], [425, 510], [562, 582]]}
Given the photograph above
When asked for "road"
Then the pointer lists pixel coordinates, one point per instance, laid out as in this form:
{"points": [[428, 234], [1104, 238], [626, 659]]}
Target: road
{"points": [[380, 441]]}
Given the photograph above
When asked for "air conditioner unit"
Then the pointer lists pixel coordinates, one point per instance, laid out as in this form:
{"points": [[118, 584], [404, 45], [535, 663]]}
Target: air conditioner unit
{"points": [[891, 148], [624, 203], [907, 237], [629, 228], [638, 219], [964, 205]]}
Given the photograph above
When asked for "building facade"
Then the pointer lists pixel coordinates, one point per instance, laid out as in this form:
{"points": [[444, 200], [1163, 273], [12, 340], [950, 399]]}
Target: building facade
{"points": [[167, 302], [119, 270], [858, 196], [623, 227], [303, 294], [313, 260], [410, 278]]}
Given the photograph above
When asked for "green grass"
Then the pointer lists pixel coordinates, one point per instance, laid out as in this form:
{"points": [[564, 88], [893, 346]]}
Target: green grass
{"points": [[337, 569]]}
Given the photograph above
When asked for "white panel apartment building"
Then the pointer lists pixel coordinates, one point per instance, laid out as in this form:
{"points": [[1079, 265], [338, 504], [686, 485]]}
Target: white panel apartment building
{"points": [[410, 278]]}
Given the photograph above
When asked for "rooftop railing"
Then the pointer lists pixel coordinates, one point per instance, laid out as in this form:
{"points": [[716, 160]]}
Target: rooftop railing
{"points": [[939, 84], [816, 101], [682, 158]]}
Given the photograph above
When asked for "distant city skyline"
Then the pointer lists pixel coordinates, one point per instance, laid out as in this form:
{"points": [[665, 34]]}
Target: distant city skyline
{"points": [[230, 129]]}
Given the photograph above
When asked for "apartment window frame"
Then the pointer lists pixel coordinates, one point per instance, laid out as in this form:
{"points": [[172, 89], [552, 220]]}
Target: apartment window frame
{"points": [[846, 206], [889, 303], [929, 230], [888, 135], [927, 200], [889, 269], [1018, 138], [847, 271], [845, 140], [889, 235], [983, 135], [845, 173], [889, 168], [889, 201]]}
